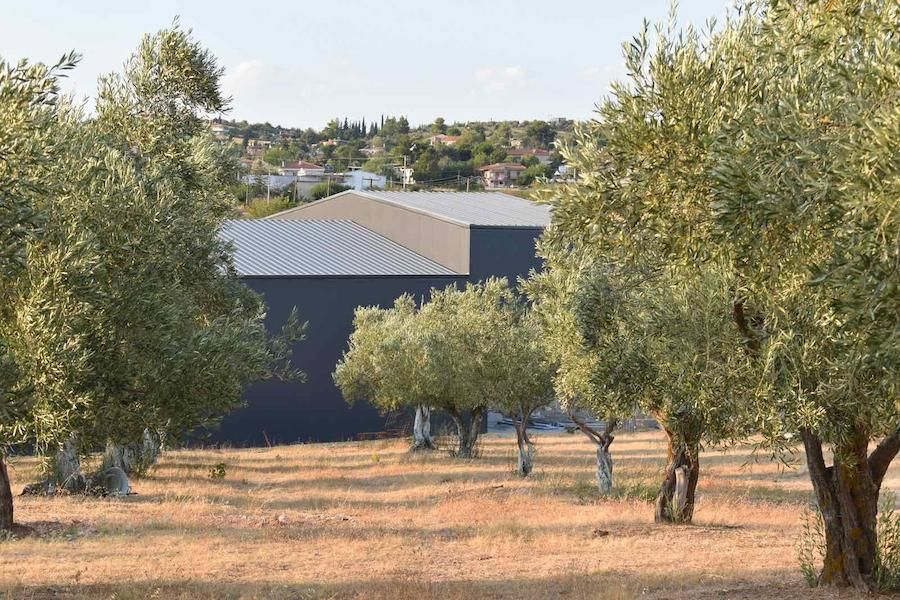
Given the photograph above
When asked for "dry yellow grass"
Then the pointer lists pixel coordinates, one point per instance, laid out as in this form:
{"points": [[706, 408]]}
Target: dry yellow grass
{"points": [[369, 520]]}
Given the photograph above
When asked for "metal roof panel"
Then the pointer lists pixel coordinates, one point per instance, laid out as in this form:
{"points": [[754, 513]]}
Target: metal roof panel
{"points": [[297, 248], [480, 209]]}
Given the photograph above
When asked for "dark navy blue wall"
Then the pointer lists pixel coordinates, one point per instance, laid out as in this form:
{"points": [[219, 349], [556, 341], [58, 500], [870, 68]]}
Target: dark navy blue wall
{"points": [[502, 252], [286, 412]]}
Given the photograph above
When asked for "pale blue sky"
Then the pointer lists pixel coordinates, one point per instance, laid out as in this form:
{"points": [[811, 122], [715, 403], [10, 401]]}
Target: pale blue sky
{"points": [[301, 63]]}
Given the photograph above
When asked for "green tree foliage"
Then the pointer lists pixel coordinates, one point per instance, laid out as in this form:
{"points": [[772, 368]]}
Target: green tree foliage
{"points": [[28, 148], [439, 126], [387, 363], [260, 208], [535, 173], [461, 352], [277, 156], [129, 315], [323, 190], [539, 134], [770, 149]]}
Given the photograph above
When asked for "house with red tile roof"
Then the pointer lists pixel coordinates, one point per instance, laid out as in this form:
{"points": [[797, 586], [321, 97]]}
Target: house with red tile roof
{"points": [[500, 175], [444, 140], [302, 169]]}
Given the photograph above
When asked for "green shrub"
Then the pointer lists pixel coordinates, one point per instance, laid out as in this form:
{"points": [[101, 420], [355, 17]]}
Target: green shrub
{"points": [[323, 190], [217, 471], [259, 208]]}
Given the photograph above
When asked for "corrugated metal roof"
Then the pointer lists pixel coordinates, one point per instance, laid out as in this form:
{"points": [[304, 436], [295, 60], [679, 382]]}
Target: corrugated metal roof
{"points": [[481, 209], [282, 248]]}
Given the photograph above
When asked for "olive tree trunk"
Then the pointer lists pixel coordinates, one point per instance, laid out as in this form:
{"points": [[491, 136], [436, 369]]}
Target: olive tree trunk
{"points": [[6, 497], [66, 475], [422, 439], [603, 441], [847, 496], [604, 469], [525, 462], [468, 426], [675, 500], [63, 473], [135, 458]]}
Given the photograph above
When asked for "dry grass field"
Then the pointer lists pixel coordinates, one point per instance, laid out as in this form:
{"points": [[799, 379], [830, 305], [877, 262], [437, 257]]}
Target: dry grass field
{"points": [[369, 520]]}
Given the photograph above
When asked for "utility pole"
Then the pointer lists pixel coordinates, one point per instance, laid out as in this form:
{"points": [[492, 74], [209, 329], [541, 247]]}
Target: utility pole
{"points": [[405, 173]]}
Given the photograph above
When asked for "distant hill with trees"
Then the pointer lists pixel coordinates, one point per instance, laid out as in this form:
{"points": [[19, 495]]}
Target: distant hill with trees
{"points": [[390, 142]]}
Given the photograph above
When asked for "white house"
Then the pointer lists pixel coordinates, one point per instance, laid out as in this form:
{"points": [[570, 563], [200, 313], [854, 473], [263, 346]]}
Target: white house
{"points": [[302, 169]]}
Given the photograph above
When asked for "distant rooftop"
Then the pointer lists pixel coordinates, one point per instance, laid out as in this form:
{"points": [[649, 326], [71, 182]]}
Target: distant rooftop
{"points": [[479, 209], [503, 167], [300, 165], [295, 248]]}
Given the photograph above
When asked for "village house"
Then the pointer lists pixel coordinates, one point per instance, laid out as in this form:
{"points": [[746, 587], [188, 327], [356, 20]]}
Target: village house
{"points": [[500, 175], [302, 169], [257, 147], [444, 140]]}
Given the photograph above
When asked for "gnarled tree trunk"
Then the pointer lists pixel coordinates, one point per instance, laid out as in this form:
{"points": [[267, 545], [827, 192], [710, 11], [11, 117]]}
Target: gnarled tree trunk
{"points": [[422, 439], [847, 495], [66, 475], [525, 462], [468, 426], [135, 458], [63, 474], [604, 469], [603, 440], [6, 497], [675, 500]]}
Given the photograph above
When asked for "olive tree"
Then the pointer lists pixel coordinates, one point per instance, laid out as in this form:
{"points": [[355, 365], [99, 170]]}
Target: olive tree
{"points": [[28, 112], [465, 334], [579, 381], [805, 185], [386, 364], [523, 382], [462, 352], [643, 329], [129, 317], [769, 148], [666, 341]]}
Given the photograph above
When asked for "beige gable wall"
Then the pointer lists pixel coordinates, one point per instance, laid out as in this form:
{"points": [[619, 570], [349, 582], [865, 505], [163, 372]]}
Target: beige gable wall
{"points": [[442, 241]]}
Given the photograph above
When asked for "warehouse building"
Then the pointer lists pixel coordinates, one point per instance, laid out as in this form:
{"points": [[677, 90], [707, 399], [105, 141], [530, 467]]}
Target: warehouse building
{"points": [[362, 249]]}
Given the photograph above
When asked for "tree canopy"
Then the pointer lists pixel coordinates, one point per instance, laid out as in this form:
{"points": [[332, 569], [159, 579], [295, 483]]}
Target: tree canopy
{"points": [[769, 148], [128, 315], [462, 351]]}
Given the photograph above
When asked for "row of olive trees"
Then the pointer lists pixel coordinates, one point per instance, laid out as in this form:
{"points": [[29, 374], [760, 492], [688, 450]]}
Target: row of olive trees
{"points": [[729, 257], [606, 347], [121, 317], [463, 351]]}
